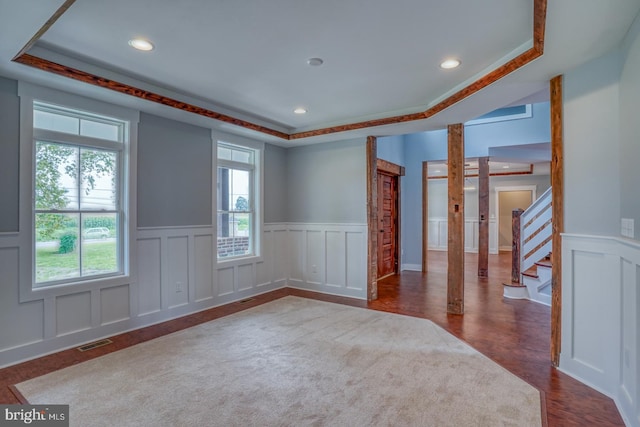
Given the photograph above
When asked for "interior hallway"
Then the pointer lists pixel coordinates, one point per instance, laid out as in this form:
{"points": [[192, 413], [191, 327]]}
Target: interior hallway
{"points": [[514, 333]]}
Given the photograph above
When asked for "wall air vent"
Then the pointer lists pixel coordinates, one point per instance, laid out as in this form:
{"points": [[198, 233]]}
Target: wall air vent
{"points": [[95, 344]]}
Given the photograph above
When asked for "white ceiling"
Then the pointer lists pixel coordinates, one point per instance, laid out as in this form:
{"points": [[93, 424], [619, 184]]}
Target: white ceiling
{"points": [[248, 58]]}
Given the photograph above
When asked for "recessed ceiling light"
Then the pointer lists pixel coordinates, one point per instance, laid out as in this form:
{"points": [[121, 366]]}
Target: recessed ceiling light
{"points": [[141, 44], [505, 167], [450, 63], [300, 110], [315, 62]]}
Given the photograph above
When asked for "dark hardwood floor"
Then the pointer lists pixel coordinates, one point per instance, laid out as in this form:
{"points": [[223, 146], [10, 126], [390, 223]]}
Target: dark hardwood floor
{"points": [[514, 333]]}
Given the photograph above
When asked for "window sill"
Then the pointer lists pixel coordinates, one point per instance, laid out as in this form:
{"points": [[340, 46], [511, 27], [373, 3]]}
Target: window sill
{"points": [[232, 262]]}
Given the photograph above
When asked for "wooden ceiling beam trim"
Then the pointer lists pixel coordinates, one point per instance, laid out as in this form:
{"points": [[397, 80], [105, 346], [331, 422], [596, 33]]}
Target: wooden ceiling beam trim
{"points": [[539, 23], [79, 75]]}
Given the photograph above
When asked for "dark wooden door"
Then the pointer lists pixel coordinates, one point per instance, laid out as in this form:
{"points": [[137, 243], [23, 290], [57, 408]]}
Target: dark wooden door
{"points": [[387, 220]]}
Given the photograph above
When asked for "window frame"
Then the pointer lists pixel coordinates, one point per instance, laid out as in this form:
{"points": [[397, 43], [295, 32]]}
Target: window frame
{"points": [[126, 184], [49, 137], [256, 186], [528, 113]]}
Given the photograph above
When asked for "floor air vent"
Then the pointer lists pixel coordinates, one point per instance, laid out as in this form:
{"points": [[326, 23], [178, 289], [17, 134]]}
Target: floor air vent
{"points": [[95, 344], [245, 300]]}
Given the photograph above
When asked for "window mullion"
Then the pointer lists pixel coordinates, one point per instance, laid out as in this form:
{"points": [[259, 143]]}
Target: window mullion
{"points": [[78, 140], [80, 219]]}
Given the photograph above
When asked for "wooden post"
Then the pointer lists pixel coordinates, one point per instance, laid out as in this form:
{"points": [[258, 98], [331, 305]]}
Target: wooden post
{"points": [[557, 206], [425, 217], [515, 245], [372, 219], [455, 243], [483, 217]]}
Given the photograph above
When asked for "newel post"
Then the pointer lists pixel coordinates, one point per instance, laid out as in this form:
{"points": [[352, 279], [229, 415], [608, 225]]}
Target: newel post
{"points": [[515, 245]]}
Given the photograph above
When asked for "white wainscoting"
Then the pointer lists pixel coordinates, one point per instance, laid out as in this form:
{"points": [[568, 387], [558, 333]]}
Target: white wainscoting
{"points": [[438, 235], [328, 258], [54, 322], [601, 317], [178, 274], [175, 274]]}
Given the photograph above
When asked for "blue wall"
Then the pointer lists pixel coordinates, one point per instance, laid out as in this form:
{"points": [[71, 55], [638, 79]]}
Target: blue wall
{"points": [[479, 138], [391, 148]]}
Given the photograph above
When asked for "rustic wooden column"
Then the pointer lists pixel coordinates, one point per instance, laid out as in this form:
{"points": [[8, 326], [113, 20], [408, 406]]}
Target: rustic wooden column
{"points": [[372, 219], [425, 217], [515, 245], [455, 242], [557, 206], [483, 217]]}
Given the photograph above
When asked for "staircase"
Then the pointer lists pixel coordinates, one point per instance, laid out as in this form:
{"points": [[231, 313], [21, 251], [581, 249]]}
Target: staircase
{"points": [[532, 248], [537, 280]]}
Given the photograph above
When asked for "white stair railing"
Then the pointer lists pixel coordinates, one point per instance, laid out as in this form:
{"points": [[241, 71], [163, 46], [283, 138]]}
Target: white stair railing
{"points": [[535, 231]]}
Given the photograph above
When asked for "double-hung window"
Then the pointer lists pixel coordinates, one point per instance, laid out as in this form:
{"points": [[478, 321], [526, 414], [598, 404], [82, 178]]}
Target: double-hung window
{"points": [[236, 201], [79, 207]]}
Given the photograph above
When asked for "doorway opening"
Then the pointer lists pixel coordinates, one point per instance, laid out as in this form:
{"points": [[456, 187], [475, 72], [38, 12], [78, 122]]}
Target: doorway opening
{"points": [[508, 199]]}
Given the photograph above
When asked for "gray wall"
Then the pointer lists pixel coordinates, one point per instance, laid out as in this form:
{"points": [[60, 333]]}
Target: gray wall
{"points": [[591, 147], [9, 154], [630, 132], [275, 184], [327, 183], [174, 173]]}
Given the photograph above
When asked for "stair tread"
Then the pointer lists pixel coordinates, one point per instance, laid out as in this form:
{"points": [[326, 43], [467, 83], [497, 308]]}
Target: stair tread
{"points": [[531, 272], [545, 263]]}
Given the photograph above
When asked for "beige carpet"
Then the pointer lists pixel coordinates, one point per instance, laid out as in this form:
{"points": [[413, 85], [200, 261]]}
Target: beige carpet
{"points": [[294, 362]]}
